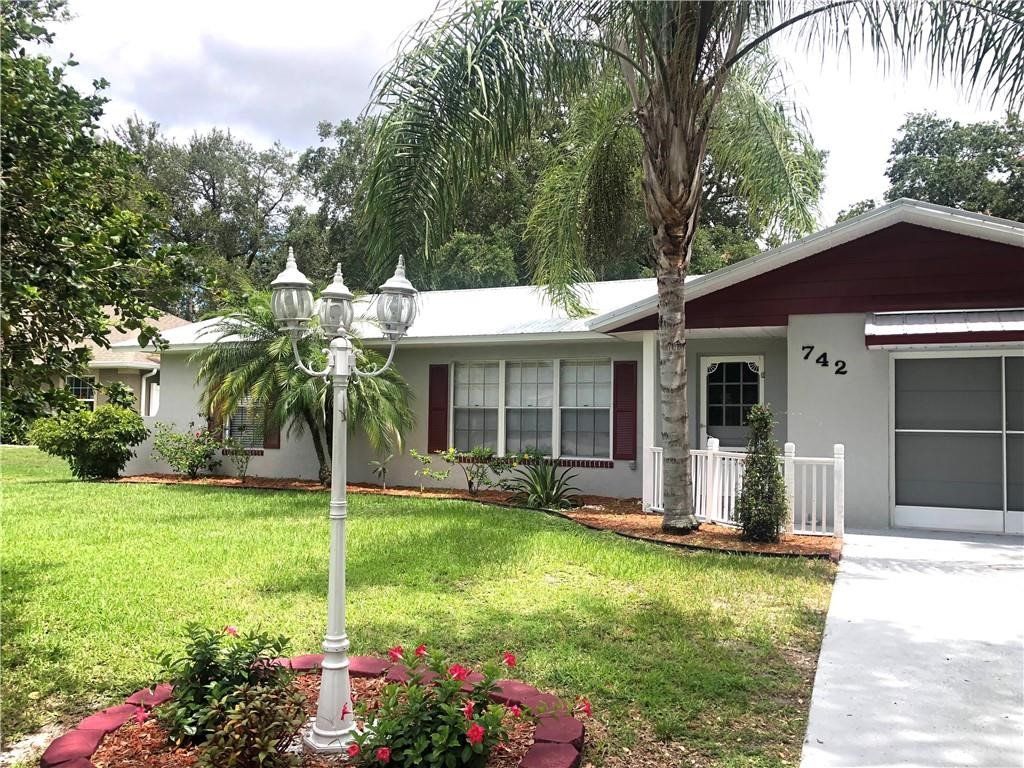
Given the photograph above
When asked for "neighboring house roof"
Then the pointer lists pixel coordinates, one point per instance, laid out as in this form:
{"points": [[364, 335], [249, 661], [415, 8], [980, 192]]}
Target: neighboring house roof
{"points": [[523, 313], [124, 351]]}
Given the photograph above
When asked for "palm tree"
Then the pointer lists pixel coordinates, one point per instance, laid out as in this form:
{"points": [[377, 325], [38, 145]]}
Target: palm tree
{"points": [[472, 81], [251, 360]]}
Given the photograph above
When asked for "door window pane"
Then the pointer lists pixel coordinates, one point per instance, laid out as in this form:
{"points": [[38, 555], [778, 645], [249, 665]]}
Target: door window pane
{"points": [[949, 393]]}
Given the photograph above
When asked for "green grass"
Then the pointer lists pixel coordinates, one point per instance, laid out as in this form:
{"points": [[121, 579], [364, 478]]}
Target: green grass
{"points": [[711, 652]]}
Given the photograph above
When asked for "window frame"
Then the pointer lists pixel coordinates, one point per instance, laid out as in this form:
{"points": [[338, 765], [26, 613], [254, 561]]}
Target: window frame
{"points": [[556, 407], [91, 380], [226, 429]]}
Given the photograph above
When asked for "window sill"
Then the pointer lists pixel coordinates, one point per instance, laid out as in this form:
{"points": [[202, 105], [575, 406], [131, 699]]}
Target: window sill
{"points": [[235, 452], [563, 462]]}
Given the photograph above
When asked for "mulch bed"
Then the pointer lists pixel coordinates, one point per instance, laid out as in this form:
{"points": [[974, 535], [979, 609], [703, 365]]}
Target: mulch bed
{"points": [[623, 516], [146, 745]]}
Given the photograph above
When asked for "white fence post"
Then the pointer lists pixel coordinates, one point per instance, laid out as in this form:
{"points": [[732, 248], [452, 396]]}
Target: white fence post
{"points": [[788, 476], [839, 488], [714, 481]]}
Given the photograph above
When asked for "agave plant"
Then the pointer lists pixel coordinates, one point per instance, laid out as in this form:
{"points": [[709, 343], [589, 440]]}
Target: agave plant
{"points": [[541, 485]]}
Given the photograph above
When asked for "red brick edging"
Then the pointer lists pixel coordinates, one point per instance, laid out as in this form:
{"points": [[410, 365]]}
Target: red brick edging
{"points": [[558, 739]]}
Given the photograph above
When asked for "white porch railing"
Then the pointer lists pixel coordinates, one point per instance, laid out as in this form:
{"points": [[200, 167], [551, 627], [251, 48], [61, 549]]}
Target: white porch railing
{"points": [[815, 487]]}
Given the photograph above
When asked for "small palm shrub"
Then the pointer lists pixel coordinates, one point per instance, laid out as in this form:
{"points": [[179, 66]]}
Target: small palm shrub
{"points": [[189, 452], [214, 675], [761, 508], [432, 724], [256, 726], [541, 485], [96, 444]]}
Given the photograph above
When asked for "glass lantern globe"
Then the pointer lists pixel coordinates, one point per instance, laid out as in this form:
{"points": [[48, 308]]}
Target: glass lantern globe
{"points": [[335, 309], [396, 306], [291, 298]]}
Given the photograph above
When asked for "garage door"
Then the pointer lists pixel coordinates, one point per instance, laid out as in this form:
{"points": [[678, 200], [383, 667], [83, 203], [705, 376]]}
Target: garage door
{"points": [[959, 443]]}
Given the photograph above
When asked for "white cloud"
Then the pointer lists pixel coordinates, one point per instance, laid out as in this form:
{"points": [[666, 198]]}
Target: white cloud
{"points": [[273, 70]]}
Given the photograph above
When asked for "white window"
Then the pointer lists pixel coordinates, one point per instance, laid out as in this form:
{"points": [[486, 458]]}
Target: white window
{"points": [[529, 405], [475, 419], [585, 401], [83, 388], [246, 425]]}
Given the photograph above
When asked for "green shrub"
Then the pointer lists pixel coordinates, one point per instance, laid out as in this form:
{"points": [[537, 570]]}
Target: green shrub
{"points": [[426, 471], [761, 508], [541, 485], [208, 677], [188, 452], [96, 444], [239, 456], [482, 467], [256, 726], [118, 394], [433, 724]]}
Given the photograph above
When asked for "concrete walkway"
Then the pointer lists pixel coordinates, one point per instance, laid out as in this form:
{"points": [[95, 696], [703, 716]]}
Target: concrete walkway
{"points": [[922, 661]]}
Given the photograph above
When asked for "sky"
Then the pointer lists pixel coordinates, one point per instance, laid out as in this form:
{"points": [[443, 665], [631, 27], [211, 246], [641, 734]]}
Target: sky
{"points": [[272, 71]]}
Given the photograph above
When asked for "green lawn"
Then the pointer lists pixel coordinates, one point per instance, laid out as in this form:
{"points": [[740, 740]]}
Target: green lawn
{"points": [[712, 653]]}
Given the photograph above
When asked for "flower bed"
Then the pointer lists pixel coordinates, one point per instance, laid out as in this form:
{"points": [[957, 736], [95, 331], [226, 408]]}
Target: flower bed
{"points": [[126, 736]]}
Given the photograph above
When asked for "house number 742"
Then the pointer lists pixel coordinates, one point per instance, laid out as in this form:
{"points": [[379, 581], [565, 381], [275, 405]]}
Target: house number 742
{"points": [[822, 360]]}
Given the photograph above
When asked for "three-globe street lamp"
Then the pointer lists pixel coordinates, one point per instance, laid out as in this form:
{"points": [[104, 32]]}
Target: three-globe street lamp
{"points": [[292, 305]]}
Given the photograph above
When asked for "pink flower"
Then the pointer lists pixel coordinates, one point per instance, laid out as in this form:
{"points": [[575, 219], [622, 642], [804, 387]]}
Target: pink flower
{"points": [[345, 711], [458, 672], [384, 754], [141, 714], [353, 749], [515, 711], [231, 629], [468, 709], [508, 659], [421, 650], [583, 706], [475, 733], [395, 654]]}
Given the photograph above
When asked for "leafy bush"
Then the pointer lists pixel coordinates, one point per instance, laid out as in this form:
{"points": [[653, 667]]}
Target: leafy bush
{"points": [[238, 455], [187, 453], [761, 508], [434, 724], [541, 485], [96, 444], [119, 394], [209, 676], [483, 468], [256, 726], [426, 470]]}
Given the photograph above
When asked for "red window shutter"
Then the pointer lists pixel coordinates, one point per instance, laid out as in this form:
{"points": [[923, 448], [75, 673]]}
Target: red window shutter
{"points": [[437, 409], [624, 410], [271, 435]]}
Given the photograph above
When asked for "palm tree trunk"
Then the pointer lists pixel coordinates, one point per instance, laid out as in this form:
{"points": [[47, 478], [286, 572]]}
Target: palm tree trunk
{"points": [[318, 435]]}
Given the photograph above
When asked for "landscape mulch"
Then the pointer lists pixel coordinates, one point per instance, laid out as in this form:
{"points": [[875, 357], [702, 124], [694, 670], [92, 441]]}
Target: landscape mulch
{"points": [[623, 516], [146, 745]]}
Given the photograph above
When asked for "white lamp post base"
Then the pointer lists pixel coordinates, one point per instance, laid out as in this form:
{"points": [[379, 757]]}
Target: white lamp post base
{"points": [[327, 741]]}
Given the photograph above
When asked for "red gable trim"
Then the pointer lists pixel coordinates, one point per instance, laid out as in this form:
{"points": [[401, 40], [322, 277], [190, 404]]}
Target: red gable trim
{"points": [[904, 267]]}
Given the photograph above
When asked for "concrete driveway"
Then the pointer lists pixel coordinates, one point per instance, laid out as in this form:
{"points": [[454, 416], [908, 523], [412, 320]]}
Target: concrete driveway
{"points": [[923, 656]]}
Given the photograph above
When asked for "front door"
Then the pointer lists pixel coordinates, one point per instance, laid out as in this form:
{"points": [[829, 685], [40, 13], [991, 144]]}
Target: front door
{"points": [[730, 386]]}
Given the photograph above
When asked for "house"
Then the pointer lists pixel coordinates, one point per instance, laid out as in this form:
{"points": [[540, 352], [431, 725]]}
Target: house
{"points": [[137, 369], [891, 345]]}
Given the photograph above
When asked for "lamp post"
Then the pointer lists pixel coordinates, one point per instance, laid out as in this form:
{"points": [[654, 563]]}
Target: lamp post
{"points": [[292, 305]]}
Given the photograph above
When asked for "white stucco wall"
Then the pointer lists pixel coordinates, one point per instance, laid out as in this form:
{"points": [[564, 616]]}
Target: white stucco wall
{"points": [[180, 405], [852, 408], [623, 480]]}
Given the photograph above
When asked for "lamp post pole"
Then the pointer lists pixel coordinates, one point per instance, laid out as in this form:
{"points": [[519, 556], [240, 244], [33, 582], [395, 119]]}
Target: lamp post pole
{"points": [[292, 305]]}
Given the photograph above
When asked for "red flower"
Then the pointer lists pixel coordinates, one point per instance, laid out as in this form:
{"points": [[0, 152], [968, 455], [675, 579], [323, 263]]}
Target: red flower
{"points": [[458, 672], [421, 650], [583, 706], [141, 714], [515, 711], [383, 754], [231, 629], [345, 711], [395, 654], [475, 733], [353, 749], [508, 659], [468, 710]]}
